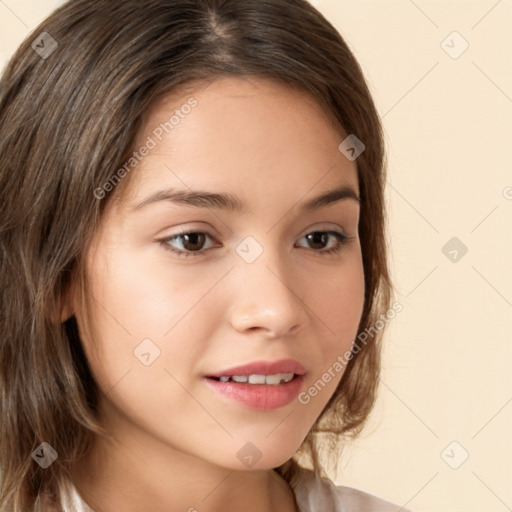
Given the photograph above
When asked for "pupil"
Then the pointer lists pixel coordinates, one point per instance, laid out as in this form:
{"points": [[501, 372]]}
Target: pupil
{"points": [[318, 238], [192, 240]]}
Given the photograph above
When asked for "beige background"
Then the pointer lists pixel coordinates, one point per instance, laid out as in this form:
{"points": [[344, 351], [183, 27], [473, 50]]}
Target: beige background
{"points": [[447, 362]]}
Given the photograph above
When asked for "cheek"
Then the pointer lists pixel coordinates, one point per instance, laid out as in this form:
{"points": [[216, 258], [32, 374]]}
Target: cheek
{"points": [[150, 297], [143, 319], [139, 308], [339, 305], [346, 307]]}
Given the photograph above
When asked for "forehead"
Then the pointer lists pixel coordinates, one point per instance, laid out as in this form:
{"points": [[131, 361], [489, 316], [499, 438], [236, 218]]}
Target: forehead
{"points": [[253, 134]]}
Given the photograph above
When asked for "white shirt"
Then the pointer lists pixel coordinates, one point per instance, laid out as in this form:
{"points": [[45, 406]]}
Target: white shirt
{"points": [[315, 494], [312, 494]]}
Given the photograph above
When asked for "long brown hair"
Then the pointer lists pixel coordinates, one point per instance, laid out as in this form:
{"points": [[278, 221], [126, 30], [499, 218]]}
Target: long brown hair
{"points": [[71, 104]]}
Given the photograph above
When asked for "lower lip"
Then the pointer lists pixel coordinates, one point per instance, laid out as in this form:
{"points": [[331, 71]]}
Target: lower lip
{"points": [[263, 397]]}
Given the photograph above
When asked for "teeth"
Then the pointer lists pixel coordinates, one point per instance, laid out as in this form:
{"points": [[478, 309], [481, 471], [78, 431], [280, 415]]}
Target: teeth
{"points": [[276, 379], [256, 379], [273, 380]]}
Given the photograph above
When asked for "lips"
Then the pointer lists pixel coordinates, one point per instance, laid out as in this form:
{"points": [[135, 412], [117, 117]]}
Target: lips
{"points": [[260, 385], [282, 366], [260, 397]]}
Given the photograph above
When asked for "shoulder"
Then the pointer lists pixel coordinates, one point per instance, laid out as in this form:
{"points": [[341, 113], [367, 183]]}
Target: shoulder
{"points": [[315, 494]]}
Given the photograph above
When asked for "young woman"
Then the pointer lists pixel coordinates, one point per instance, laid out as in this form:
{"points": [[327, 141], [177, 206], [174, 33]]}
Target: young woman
{"points": [[193, 248]]}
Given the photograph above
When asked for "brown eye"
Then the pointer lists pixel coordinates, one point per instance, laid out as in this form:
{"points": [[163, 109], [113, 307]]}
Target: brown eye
{"points": [[320, 241], [188, 243], [193, 241]]}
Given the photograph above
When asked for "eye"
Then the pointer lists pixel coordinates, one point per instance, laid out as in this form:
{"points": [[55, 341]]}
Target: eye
{"points": [[193, 242], [327, 242]]}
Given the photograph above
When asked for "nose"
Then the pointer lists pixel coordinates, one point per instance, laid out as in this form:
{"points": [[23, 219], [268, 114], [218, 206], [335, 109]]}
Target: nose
{"points": [[268, 300]]}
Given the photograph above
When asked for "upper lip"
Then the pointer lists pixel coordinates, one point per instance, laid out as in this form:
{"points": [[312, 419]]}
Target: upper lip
{"points": [[263, 368]]}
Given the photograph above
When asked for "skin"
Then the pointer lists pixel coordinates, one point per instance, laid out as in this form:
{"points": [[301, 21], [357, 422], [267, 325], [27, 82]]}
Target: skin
{"points": [[177, 440]]}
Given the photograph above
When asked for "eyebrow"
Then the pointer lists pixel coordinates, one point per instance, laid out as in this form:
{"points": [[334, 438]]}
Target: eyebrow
{"points": [[232, 203]]}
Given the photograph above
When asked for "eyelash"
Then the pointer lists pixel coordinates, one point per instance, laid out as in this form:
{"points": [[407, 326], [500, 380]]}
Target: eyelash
{"points": [[343, 240]]}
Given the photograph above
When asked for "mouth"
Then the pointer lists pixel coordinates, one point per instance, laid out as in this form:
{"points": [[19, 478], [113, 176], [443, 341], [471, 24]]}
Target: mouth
{"points": [[257, 379], [261, 372], [260, 385], [256, 391]]}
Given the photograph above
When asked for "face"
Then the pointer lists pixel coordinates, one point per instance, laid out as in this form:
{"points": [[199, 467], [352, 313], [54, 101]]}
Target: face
{"points": [[185, 286]]}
